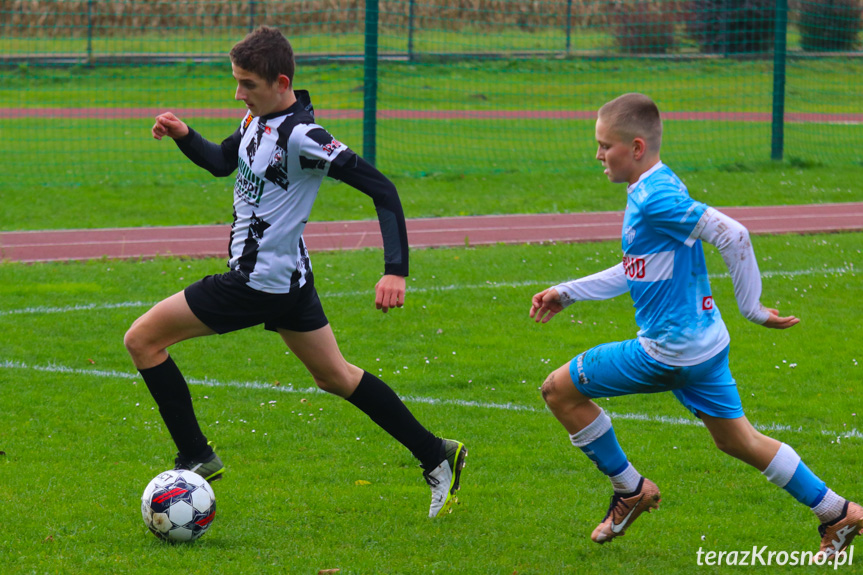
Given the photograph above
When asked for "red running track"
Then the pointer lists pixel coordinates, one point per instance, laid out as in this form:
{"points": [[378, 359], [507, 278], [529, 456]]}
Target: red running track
{"points": [[206, 241]]}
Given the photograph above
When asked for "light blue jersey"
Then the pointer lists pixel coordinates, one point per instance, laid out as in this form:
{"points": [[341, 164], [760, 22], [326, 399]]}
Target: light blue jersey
{"points": [[666, 272]]}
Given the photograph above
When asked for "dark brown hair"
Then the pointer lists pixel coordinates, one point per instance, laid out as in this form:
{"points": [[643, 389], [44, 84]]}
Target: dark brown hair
{"points": [[265, 52]]}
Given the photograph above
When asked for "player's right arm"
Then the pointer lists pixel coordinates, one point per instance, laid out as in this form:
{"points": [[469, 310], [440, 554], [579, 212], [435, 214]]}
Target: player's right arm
{"points": [[167, 124], [602, 285], [218, 159], [545, 305]]}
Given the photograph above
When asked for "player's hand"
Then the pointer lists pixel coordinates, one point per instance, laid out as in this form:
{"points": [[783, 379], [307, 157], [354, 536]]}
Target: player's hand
{"points": [[390, 292], [167, 124], [776, 322], [545, 305]]}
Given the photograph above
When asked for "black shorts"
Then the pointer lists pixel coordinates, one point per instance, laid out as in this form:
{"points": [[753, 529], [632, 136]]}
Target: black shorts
{"points": [[226, 303]]}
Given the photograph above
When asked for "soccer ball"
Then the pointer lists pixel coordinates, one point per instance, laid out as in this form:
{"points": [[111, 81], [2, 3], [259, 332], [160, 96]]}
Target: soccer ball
{"points": [[178, 505]]}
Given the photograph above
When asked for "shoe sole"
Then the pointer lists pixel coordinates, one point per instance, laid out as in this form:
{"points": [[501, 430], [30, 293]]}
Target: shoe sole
{"points": [[216, 476], [461, 454]]}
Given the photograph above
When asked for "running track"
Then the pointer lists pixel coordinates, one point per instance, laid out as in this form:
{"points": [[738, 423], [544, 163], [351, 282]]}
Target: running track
{"points": [[206, 241]]}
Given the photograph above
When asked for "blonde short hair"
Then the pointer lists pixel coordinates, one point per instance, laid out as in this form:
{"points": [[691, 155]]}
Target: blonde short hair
{"points": [[633, 116]]}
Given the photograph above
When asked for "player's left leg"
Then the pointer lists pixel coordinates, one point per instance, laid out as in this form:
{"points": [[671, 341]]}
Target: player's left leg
{"points": [[607, 370], [442, 459], [841, 520]]}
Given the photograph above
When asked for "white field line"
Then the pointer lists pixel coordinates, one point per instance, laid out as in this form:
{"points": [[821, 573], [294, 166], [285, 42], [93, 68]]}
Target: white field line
{"points": [[289, 388], [77, 307], [410, 290]]}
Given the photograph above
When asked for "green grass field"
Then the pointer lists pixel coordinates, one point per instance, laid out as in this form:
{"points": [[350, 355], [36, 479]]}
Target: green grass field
{"points": [[312, 484], [81, 436], [681, 85]]}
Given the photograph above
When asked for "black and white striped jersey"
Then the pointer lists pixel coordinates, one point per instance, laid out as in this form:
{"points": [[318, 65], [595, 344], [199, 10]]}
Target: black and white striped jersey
{"points": [[281, 160]]}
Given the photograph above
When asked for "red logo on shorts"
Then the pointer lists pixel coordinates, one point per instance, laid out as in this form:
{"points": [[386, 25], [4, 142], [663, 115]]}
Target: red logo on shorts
{"points": [[707, 303]]}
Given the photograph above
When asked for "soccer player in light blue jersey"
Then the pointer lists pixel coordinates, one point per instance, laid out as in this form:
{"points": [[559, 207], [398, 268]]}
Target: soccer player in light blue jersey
{"points": [[682, 343]]}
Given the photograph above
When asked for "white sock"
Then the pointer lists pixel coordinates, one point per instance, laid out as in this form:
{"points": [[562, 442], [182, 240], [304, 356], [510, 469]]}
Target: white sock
{"points": [[830, 507], [782, 467], [626, 481], [594, 430]]}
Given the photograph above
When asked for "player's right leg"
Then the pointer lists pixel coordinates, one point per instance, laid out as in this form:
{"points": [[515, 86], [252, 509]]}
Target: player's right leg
{"points": [[442, 459], [168, 322], [568, 392], [712, 394]]}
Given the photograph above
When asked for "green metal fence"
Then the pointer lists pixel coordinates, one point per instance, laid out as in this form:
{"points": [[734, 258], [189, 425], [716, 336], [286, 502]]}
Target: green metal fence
{"points": [[432, 86]]}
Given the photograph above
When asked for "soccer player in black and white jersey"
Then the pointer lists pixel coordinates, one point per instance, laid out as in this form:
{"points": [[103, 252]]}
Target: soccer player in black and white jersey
{"points": [[281, 156]]}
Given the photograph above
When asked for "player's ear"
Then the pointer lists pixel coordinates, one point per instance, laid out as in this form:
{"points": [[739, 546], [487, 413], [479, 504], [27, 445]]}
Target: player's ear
{"points": [[284, 83], [639, 148]]}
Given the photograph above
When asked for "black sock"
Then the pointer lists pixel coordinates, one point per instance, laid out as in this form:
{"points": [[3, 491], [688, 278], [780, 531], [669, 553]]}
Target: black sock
{"points": [[169, 389], [377, 400]]}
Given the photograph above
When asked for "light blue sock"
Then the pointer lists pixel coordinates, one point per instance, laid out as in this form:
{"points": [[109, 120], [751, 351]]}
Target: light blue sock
{"points": [[599, 443], [788, 472]]}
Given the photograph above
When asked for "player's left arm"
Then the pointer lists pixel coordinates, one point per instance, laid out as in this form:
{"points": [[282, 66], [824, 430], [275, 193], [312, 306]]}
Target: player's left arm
{"points": [[732, 240], [351, 169]]}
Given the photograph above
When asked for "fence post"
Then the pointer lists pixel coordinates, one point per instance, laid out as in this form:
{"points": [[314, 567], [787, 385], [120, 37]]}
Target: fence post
{"points": [[370, 82], [411, 31], [779, 55], [89, 32], [568, 25]]}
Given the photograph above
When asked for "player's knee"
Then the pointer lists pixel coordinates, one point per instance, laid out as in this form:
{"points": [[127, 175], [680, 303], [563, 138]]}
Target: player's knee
{"points": [[138, 345], [340, 379], [332, 383], [327, 384], [558, 391], [547, 387], [132, 341], [552, 391]]}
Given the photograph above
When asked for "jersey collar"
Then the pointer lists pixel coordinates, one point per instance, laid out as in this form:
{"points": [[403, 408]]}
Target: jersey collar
{"points": [[304, 102], [656, 167]]}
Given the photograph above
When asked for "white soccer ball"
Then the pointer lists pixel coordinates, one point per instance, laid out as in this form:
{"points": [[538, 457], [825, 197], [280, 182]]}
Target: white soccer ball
{"points": [[178, 505]]}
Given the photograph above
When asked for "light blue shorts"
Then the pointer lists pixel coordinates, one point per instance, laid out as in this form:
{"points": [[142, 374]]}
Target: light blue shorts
{"points": [[624, 368]]}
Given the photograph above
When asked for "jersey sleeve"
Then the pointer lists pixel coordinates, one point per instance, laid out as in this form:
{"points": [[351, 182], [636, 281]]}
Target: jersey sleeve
{"points": [[731, 238], [675, 215], [218, 159], [318, 149], [351, 169], [606, 284]]}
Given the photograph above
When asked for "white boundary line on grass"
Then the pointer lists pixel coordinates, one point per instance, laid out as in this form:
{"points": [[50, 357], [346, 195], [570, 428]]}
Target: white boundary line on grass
{"points": [[257, 385], [451, 287]]}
